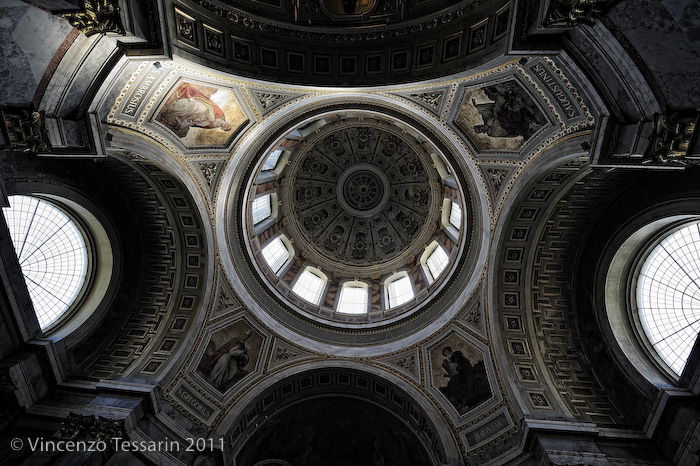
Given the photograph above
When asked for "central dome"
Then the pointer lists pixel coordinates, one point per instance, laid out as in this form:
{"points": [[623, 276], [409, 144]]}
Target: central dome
{"points": [[359, 193], [355, 217]]}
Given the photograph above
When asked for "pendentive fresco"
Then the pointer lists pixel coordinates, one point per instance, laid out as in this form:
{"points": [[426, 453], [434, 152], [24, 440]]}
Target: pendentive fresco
{"points": [[500, 117], [202, 116]]}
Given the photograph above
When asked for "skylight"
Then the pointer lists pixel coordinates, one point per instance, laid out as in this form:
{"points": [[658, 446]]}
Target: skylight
{"points": [[668, 296], [52, 253]]}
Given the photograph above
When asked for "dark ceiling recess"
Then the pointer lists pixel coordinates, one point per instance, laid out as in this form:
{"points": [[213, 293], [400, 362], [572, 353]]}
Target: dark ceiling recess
{"points": [[340, 42]]}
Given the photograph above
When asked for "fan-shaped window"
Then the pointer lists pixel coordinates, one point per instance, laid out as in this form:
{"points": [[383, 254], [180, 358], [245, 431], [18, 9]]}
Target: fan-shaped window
{"points": [[310, 285], [455, 215], [668, 295], [262, 208], [399, 290], [276, 253], [354, 298], [53, 253]]}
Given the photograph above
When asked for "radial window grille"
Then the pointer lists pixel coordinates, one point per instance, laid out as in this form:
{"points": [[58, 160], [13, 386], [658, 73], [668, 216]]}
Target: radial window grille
{"points": [[275, 254], [309, 286], [455, 215], [399, 291], [437, 262], [668, 296], [52, 253], [262, 208], [353, 299]]}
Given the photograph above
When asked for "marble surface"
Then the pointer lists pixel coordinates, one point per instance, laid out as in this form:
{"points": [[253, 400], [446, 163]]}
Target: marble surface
{"points": [[22, 67], [666, 35]]}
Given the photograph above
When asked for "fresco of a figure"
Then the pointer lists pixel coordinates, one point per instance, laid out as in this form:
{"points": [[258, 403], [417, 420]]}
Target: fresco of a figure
{"points": [[202, 115], [500, 117], [458, 371], [230, 355]]}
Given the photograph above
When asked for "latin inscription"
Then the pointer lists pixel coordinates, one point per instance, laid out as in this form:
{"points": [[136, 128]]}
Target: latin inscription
{"points": [[137, 96], [563, 98], [194, 403], [488, 430]]}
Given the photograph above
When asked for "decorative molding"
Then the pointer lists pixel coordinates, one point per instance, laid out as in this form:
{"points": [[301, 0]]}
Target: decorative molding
{"points": [[406, 362], [674, 135], [269, 101], [283, 353], [90, 428], [25, 130], [96, 17], [574, 12], [496, 178], [211, 170], [473, 316], [432, 99]]}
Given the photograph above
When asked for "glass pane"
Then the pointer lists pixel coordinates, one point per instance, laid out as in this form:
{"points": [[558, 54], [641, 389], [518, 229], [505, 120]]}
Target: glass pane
{"points": [[275, 254], [668, 296], [437, 262], [456, 215], [262, 208], [52, 253], [353, 299], [271, 161], [309, 287], [400, 291]]}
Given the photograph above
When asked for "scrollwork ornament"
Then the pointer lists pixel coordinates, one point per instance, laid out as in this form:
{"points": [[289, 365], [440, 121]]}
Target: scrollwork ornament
{"points": [[92, 428], [574, 12], [96, 17], [672, 138], [25, 130]]}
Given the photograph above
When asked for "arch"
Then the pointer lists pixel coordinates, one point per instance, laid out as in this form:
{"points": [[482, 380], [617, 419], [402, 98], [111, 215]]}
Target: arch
{"points": [[162, 169], [438, 434]]}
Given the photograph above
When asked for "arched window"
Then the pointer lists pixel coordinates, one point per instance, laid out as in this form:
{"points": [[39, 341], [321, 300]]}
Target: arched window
{"points": [[354, 298], [451, 218], [277, 253], [399, 289], [262, 208], [455, 215], [310, 285], [272, 160], [434, 260], [53, 253], [668, 295]]}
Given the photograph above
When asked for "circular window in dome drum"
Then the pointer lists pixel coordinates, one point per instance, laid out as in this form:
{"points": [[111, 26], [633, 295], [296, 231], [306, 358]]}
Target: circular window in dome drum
{"points": [[53, 253], [667, 295]]}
